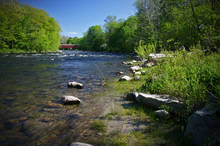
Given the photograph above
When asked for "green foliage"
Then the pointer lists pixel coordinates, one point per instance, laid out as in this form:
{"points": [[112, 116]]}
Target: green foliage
{"points": [[74, 40], [93, 39], [144, 50], [187, 76], [27, 29]]}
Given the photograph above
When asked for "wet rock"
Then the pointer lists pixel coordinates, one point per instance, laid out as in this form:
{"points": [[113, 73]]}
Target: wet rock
{"points": [[75, 85], [136, 68], [137, 78], [69, 100], [162, 114], [203, 126], [80, 144], [125, 78]]}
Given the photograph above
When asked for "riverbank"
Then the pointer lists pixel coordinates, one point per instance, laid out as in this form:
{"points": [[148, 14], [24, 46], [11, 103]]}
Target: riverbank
{"points": [[131, 123]]}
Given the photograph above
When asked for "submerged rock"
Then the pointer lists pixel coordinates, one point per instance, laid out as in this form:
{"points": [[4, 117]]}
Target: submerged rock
{"points": [[69, 100], [203, 126], [125, 78], [75, 85], [80, 144], [162, 114]]}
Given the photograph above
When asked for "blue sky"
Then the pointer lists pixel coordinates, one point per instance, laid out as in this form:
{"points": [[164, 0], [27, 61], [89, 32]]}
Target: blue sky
{"points": [[76, 16]]}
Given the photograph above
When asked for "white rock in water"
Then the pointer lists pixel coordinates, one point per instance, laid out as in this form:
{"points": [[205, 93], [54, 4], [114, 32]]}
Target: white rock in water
{"points": [[80, 144], [68, 100], [162, 114], [125, 78], [136, 68], [75, 85]]}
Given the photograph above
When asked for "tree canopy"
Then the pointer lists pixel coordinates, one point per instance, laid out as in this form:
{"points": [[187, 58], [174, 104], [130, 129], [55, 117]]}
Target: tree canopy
{"points": [[27, 29]]}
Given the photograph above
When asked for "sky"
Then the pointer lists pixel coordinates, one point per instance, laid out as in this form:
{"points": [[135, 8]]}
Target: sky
{"points": [[76, 16]]}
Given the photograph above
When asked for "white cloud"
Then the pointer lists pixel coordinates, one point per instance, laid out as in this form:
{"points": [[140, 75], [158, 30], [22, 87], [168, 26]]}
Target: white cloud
{"points": [[73, 33]]}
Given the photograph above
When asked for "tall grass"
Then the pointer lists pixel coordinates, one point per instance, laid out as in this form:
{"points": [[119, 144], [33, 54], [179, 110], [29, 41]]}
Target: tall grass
{"points": [[144, 50], [189, 76]]}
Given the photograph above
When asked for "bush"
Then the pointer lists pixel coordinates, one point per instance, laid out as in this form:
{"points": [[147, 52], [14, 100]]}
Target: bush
{"points": [[144, 50], [189, 76]]}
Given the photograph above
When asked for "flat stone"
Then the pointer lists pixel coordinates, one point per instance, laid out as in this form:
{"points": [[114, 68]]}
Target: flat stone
{"points": [[156, 101], [125, 78], [80, 144], [69, 100], [75, 85]]}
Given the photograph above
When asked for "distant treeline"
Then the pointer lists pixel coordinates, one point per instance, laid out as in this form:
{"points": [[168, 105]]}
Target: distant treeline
{"points": [[165, 24], [27, 29]]}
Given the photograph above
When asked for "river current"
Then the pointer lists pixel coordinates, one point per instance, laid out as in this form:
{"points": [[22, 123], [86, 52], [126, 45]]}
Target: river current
{"points": [[31, 86]]}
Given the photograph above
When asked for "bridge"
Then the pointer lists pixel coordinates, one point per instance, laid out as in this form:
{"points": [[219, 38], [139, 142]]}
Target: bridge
{"points": [[69, 46]]}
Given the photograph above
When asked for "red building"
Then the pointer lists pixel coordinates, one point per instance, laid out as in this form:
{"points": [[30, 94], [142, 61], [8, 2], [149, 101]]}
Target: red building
{"points": [[69, 46]]}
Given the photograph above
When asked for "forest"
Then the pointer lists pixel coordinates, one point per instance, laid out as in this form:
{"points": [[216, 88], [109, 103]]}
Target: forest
{"points": [[167, 25], [26, 29]]}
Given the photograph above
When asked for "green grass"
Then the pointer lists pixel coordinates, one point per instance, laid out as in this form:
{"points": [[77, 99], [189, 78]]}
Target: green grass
{"points": [[98, 126]]}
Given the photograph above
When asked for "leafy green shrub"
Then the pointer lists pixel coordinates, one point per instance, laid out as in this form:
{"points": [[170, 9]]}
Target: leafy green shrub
{"points": [[188, 76], [144, 50]]}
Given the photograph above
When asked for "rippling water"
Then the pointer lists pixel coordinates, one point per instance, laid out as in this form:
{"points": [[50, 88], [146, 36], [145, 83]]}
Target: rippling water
{"points": [[31, 86]]}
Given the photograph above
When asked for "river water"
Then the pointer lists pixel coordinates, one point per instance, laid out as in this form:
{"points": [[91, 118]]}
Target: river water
{"points": [[31, 86]]}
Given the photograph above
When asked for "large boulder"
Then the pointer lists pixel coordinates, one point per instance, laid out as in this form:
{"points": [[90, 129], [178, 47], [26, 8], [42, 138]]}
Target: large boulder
{"points": [[69, 100], [203, 126], [125, 78], [75, 85], [156, 101], [80, 144]]}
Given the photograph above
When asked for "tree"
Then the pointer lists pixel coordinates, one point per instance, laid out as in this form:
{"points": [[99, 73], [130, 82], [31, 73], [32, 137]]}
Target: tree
{"points": [[93, 39], [27, 29]]}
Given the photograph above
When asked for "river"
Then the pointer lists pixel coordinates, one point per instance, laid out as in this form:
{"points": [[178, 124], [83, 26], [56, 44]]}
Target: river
{"points": [[31, 86]]}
